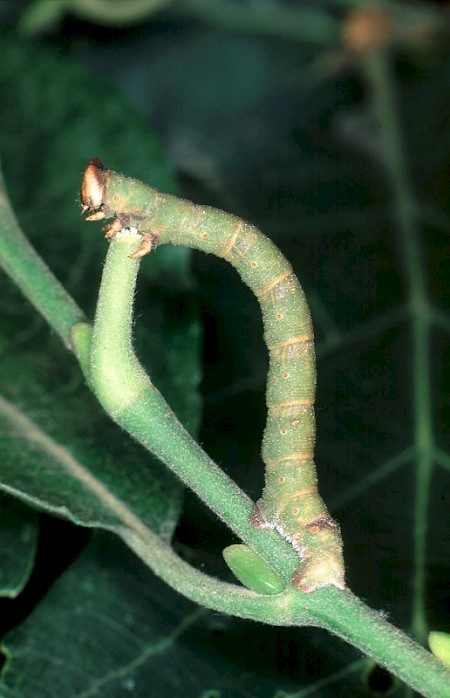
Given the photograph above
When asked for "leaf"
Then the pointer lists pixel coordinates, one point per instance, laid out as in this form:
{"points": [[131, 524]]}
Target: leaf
{"points": [[71, 474], [18, 541], [58, 451], [40, 15], [85, 118]]}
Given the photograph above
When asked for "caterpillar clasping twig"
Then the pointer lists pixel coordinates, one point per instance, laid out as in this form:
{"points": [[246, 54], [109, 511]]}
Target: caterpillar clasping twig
{"points": [[290, 502]]}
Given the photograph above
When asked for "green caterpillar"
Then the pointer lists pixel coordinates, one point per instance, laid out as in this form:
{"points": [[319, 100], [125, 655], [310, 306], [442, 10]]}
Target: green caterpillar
{"points": [[290, 502]]}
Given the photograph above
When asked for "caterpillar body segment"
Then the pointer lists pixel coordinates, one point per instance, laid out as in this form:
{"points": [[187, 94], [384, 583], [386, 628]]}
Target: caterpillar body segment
{"points": [[290, 502]]}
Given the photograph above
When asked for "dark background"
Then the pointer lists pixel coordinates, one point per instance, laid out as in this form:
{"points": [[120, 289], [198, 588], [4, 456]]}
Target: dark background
{"points": [[277, 127]]}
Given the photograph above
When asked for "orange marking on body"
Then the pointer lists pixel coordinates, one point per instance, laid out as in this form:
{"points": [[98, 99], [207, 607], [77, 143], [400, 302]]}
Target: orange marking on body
{"points": [[283, 432], [253, 264], [296, 511], [300, 339], [302, 456], [285, 374], [299, 455], [305, 492], [302, 402], [271, 285], [233, 238], [281, 480], [279, 316], [314, 529], [205, 236]]}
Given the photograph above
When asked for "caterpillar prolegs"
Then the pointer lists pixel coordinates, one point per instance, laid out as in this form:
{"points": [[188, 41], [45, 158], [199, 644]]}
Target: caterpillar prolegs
{"points": [[290, 502]]}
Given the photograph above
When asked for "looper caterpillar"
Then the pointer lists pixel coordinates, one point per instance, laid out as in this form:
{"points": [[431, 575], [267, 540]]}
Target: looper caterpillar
{"points": [[290, 502]]}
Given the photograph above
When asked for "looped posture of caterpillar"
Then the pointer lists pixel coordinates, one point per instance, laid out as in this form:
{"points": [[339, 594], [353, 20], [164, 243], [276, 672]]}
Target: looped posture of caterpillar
{"points": [[290, 502]]}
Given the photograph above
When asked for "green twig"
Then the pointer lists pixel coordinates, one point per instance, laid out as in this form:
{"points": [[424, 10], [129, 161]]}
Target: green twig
{"points": [[128, 395], [276, 20], [301, 24], [119, 12], [42, 13], [30, 273], [341, 613], [379, 72]]}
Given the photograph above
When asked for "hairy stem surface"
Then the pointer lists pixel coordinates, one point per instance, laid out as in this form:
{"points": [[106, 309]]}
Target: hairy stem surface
{"points": [[30, 273]]}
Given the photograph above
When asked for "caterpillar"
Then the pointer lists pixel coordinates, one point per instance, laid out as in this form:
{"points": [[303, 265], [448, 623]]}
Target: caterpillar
{"points": [[290, 502]]}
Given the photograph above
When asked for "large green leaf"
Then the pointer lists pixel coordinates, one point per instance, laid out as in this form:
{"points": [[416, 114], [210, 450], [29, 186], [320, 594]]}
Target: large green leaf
{"points": [[58, 451], [18, 535]]}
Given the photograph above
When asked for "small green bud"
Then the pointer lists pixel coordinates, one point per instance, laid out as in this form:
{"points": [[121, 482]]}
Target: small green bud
{"points": [[440, 646], [252, 571]]}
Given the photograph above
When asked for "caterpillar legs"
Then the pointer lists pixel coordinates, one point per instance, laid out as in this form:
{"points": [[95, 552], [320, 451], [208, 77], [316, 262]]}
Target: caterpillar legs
{"points": [[319, 545], [149, 240]]}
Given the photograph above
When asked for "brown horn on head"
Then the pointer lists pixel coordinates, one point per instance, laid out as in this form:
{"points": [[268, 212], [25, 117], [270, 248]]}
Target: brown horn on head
{"points": [[91, 194]]}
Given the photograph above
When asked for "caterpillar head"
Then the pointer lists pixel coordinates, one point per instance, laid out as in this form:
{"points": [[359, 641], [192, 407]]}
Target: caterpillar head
{"points": [[92, 190], [107, 194]]}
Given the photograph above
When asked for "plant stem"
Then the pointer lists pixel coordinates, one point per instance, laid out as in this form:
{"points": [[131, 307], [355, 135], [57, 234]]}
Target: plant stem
{"points": [[30, 273], [297, 23], [135, 404], [367, 630], [341, 613], [126, 393], [380, 75], [118, 13], [211, 592]]}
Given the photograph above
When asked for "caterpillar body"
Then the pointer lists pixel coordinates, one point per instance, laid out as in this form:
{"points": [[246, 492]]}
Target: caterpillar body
{"points": [[290, 502]]}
